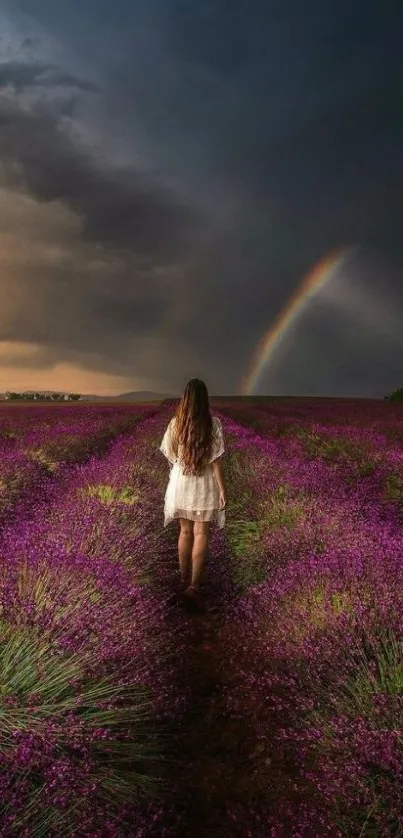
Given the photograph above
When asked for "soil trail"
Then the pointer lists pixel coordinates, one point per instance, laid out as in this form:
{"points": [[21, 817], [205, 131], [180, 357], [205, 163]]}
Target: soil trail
{"points": [[211, 775]]}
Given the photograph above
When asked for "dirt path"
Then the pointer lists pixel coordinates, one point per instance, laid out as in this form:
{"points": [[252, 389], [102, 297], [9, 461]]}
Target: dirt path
{"points": [[211, 777], [211, 745]]}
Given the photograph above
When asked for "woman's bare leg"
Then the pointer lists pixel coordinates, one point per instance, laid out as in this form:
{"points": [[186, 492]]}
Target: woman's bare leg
{"points": [[201, 531], [185, 544]]}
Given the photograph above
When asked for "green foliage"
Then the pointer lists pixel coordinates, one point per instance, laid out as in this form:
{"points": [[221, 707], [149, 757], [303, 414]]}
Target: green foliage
{"points": [[337, 450], [233, 466], [396, 396], [238, 503], [38, 686], [288, 430], [42, 456], [248, 520], [280, 509], [244, 537], [10, 433], [382, 673], [112, 494], [366, 467], [378, 671], [394, 488], [251, 573]]}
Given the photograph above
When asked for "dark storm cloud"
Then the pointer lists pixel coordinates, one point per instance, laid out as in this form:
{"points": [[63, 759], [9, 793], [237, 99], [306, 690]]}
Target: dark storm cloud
{"points": [[305, 115], [21, 76], [117, 208], [308, 117], [281, 123]]}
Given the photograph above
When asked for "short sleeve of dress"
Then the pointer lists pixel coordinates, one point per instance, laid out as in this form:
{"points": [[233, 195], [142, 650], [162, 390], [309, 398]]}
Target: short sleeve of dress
{"points": [[218, 440], [167, 446]]}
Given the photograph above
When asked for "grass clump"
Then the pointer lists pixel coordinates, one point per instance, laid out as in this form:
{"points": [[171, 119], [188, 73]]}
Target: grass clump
{"points": [[337, 450], [280, 509], [68, 740], [42, 456], [362, 725], [112, 494], [244, 537], [394, 488], [380, 672]]}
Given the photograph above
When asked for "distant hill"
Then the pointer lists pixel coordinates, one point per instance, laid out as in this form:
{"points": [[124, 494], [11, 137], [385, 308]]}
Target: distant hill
{"points": [[134, 396]]}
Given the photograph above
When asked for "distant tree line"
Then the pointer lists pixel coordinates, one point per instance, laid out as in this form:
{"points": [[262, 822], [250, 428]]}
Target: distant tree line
{"points": [[396, 396], [43, 397]]}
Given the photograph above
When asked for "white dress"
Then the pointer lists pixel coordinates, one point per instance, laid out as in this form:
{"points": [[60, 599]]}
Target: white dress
{"points": [[195, 497]]}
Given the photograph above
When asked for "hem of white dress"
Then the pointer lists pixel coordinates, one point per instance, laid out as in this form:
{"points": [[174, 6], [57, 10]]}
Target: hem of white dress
{"points": [[216, 516]]}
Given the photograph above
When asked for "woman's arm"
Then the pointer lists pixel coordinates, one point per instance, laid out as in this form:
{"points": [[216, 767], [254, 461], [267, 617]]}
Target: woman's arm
{"points": [[168, 446], [219, 476]]}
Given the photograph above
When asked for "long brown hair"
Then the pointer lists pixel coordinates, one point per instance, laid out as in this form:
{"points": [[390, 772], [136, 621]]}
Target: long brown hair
{"points": [[194, 427]]}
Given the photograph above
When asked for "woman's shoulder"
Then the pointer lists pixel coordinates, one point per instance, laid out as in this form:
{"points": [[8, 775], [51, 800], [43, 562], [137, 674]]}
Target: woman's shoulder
{"points": [[171, 423], [216, 421]]}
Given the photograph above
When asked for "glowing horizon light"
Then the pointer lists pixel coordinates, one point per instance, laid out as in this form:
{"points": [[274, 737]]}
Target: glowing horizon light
{"points": [[324, 271]]}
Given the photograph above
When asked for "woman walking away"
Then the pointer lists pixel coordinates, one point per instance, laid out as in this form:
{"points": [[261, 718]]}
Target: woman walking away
{"points": [[193, 443]]}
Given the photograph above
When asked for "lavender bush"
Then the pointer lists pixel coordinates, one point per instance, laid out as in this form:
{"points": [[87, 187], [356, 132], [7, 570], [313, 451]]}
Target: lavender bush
{"points": [[85, 654], [316, 640]]}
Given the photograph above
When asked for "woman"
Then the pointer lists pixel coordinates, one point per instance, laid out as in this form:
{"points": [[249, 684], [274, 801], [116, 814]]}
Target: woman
{"points": [[193, 443]]}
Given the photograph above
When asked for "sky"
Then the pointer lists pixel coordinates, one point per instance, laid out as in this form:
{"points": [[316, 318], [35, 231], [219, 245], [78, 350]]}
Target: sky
{"points": [[171, 171]]}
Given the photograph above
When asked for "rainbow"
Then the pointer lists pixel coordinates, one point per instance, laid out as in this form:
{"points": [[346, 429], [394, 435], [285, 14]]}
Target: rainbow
{"points": [[310, 285]]}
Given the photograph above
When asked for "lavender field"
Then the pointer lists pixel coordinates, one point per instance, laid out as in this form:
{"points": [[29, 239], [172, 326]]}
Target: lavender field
{"points": [[278, 712]]}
